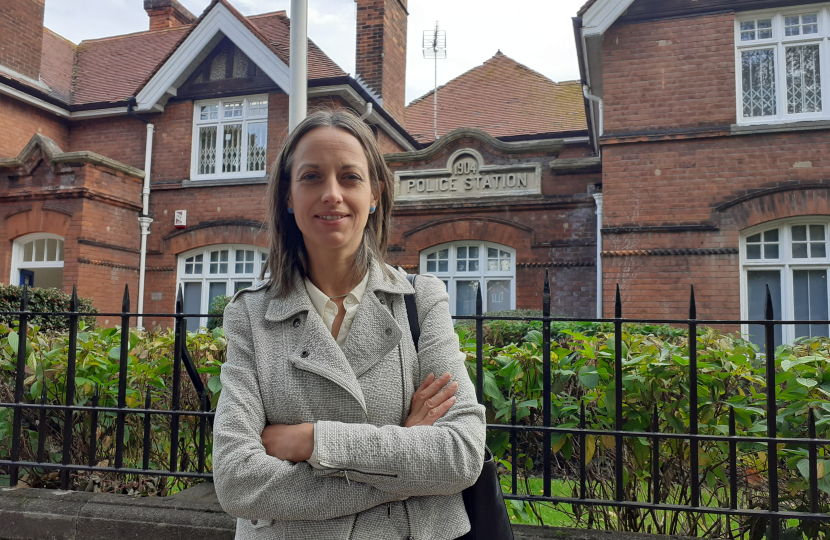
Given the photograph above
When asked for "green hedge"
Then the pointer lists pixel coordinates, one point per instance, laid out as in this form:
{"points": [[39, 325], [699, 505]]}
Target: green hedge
{"points": [[42, 300]]}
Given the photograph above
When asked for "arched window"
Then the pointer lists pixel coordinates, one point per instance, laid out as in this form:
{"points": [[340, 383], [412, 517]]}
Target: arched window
{"points": [[37, 259], [791, 257], [466, 266], [208, 272]]}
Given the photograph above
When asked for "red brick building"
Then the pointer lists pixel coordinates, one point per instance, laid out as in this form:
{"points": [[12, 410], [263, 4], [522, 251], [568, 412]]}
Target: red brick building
{"points": [[142, 160], [713, 129]]}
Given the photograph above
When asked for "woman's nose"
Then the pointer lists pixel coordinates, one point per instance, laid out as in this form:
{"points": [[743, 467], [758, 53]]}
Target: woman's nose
{"points": [[331, 191]]}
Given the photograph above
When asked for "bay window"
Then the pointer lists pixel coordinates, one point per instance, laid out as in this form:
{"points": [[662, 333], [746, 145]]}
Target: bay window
{"points": [[781, 57], [230, 138], [789, 257]]}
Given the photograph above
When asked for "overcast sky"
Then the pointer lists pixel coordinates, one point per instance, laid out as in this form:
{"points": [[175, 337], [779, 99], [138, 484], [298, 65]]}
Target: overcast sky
{"points": [[537, 33]]}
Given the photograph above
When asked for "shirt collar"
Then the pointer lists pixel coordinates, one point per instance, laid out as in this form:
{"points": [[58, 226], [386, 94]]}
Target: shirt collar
{"points": [[319, 299]]}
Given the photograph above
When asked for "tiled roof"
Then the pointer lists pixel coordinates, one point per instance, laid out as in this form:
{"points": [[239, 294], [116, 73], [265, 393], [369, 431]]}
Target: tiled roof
{"points": [[110, 70], [503, 98]]}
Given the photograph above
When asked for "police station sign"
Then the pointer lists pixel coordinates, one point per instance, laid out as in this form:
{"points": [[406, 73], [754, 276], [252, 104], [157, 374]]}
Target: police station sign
{"points": [[466, 176]]}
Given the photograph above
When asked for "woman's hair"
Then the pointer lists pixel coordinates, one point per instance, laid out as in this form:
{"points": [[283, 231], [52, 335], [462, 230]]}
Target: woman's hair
{"points": [[288, 252]]}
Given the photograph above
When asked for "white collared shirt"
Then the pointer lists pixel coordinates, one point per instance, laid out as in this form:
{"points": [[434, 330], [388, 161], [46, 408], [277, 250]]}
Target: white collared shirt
{"points": [[328, 310]]}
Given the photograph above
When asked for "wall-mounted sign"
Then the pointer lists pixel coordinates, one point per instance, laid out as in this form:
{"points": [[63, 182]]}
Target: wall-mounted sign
{"points": [[180, 219], [466, 175]]}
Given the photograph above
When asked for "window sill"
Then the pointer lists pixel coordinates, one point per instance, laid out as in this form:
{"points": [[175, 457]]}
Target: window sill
{"points": [[778, 127], [218, 182]]}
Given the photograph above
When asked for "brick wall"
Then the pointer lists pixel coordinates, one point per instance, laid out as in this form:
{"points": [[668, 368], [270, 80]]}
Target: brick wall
{"points": [[381, 51], [21, 36], [167, 14], [19, 122], [677, 73]]}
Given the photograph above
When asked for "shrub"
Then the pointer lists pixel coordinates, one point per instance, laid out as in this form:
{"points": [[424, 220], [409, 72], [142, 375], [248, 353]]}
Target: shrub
{"points": [[42, 300], [217, 307], [731, 374]]}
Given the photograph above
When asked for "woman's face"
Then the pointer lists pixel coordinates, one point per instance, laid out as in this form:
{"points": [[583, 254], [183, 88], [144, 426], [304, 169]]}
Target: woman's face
{"points": [[331, 190]]}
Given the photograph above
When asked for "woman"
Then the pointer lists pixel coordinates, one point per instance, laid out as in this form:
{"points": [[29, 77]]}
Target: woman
{"points": [[330, 425]]}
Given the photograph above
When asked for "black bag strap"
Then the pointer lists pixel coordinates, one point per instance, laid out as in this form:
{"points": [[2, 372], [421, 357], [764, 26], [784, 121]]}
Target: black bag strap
{"points": [[412, 313]]}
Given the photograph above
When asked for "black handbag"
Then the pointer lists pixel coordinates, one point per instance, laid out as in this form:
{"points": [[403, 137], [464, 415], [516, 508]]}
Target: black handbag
{"points": [[483, 500]]}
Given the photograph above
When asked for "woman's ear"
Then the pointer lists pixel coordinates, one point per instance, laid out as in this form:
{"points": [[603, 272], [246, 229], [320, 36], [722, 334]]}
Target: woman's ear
{"points": [[376, 198]]}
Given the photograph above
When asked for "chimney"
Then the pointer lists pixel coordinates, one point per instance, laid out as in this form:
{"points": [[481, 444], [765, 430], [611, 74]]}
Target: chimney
{"points": [[21, 36], [167, 14], [381, 51]]}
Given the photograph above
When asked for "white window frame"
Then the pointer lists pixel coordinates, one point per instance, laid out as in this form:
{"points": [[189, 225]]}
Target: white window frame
{"points": [[228, 278], [786, 264], [483, 275], [219, 122], [17, 255], [779, 42]]}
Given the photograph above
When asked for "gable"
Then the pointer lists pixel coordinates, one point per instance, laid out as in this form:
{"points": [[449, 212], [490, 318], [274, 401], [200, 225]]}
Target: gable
{"points": [[226, 69], [218, 24]]}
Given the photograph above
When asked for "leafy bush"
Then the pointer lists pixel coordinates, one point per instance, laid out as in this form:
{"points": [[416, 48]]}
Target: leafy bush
{"points": [[730, 374], [150, 368], [42, 300], [217, 307]]}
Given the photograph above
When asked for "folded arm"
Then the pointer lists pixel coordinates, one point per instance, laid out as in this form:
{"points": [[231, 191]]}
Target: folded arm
{"points": [[249, 483]]}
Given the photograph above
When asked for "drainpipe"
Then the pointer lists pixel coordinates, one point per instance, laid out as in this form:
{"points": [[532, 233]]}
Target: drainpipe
{"points": [[598, 101], [298, 59], [144, 219], [598, 199], [367, 112]]}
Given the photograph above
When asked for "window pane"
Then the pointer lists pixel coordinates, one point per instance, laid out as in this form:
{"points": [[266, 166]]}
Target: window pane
{"points": [[431, 256], [232, 110], [444, 254], [498, 295], [192, 304], [258, 107], [803, 79], [431, 266], [443, 266], [810, 301], [754, 238], [492, 253], [771, 236], [257, 135], [238, 285], [765, 29], [770, 251], [214, 290], [473, 252], [51, 249], [240, 64], [799, 251], [473, 265], [28, 251], [817, 232], [209, 112], [207, 150], [756, 291], [505, 265], [465, 297], [462, 252], [800, 233], [818, 251], [492, 265], [40, 249], [232, 149], [753, 251], [758, 76], [461, 266]]}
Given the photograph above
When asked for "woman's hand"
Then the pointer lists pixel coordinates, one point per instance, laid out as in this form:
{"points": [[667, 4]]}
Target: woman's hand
{"points": [[289, 442], [431, 401]]}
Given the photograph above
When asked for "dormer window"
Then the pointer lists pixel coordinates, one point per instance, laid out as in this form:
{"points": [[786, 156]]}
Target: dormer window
{"points": [[779, 56], [230, 138]]}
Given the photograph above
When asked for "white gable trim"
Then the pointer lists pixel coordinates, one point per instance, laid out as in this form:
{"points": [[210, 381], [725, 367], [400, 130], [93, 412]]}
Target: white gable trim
{"points": [[602, 15], [195, 48]]}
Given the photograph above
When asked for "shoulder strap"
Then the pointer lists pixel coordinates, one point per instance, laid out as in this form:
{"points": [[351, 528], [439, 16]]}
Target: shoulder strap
{"points": [[412, 313]]}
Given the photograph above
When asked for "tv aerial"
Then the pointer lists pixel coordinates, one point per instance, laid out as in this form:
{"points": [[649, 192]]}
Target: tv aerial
{"points": [[435, 48]]}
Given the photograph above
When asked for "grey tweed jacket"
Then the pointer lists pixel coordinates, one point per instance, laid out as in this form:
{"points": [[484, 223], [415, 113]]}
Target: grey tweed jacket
{"points": [[386, 482]]}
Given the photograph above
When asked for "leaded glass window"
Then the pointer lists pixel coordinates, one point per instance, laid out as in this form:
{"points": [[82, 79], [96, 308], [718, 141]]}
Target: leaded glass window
{"points": [[228, 142], [779, 59]]}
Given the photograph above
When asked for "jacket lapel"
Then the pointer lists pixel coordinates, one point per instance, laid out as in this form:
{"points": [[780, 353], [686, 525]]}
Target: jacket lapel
{"points": [[317, 352]]}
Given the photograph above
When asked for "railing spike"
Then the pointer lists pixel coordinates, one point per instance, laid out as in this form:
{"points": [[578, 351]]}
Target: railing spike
{"points": [[768, 311], [692, 305], [24, 302], [180, 300], [618, 304], [125, 302], [73, 302], [479, 302], [546, 295]]}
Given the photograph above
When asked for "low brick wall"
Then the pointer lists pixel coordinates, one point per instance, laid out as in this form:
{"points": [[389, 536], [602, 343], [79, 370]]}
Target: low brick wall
{"points": [[44, 514]]}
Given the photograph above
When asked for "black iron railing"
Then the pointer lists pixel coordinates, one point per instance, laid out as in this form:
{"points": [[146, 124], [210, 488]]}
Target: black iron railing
{"points": [[773, 514]]}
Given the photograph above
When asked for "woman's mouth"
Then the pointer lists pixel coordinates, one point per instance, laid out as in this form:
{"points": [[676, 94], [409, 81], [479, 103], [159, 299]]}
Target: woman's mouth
{"points": [[331, 217]]}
